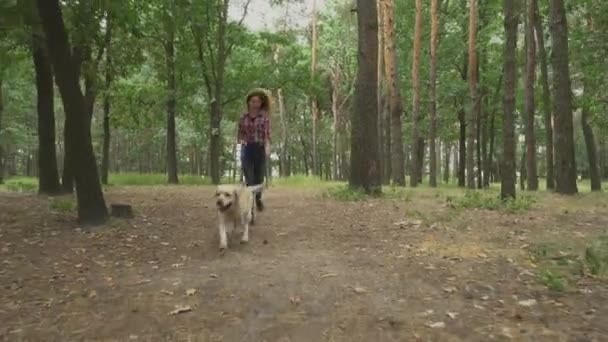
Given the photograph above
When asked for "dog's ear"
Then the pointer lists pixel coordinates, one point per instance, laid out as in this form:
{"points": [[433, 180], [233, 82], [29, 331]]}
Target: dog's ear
{"points": [[235, 192]]}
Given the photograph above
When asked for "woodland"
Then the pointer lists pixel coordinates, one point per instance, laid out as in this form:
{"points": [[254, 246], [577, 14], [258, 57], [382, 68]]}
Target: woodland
{"points": [[421, 122]]}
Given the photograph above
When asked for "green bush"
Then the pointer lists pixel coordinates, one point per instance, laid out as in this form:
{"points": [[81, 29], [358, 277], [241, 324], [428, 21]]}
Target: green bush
{"points": [[63, 205], [491, 201], [345, 193], [596, 256], [153, 179], [21, 184]]}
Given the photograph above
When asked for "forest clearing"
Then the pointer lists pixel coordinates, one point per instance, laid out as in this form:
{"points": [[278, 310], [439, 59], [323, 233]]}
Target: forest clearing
{"points": [[417, 265], [434, 170]]}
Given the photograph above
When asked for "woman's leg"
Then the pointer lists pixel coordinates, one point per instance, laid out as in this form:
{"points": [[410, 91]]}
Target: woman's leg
{"points": [[259, 171], [248, 161]]}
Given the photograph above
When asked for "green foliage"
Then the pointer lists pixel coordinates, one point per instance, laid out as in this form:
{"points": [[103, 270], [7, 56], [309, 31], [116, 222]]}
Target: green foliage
{"points": [[62, 204], [124, 179], [491, 201], [552, 280], [20, 184], [596, 256], [346, 194]]}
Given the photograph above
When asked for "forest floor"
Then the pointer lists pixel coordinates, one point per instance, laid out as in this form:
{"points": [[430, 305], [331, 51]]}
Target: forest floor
{"points": [[422, 265]]}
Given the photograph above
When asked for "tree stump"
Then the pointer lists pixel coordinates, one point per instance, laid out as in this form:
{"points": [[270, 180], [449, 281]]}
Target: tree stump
{"points": [[122, 210]]}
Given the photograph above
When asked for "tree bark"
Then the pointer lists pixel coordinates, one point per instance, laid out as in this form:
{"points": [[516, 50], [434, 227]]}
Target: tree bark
{"points": [[462, 147], [433, 91], [1, 149], [284, 141], [383, 116], [394, 94], [171, 99], [507, 168], [215, 147], [565, 161], [475, 103], [529, 105], [105, 161], [446, 161], [594, 171], [365, 164], [47, 161], [548, 120], [91, 204], [416, 164], [313, 99]]}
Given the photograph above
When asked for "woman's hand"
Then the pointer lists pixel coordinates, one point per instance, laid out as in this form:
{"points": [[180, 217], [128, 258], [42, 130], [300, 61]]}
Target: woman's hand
{"points": [[267, 150]]}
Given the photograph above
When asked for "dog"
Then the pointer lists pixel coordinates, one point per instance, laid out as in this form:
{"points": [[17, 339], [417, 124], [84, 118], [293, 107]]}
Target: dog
{"points": [[235, 206]]}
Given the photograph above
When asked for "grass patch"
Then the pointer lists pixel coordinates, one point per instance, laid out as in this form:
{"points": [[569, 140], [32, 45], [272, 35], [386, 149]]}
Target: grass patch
{"points": [[303, 181], [20, 184], [491, 201], [345, 193], [561, 263], [553, 280], [149, 179], [596, 256], [62, 204]]}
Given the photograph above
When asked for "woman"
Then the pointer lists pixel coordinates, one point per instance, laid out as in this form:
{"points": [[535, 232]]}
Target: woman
{"points": [[254, 136]]}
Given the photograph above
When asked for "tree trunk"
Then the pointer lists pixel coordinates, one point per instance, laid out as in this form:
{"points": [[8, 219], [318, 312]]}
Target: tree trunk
{"points": [[1, 150], [91, 204], [171, 102], [603, 158], [529, 105], [594, 171], [416, 164], [383, 117], [386, 118], [433, 90], [47, 161], [105, 161], [394, 94], [475, 103], [446, 161], [215, 138], [313, 99], [365, 164], [548, 121], [462, 147], [284, 141], [490, 159], [507, 167], [67, 175], [565, 162], [522, 170], [479, 124]]}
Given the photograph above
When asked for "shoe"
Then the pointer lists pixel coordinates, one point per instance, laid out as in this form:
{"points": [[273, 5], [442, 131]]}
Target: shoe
{"points": [[259, 204]]}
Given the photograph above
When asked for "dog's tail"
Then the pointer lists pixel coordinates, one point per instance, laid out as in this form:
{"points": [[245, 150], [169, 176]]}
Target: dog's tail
{"points": [[256, 188]]}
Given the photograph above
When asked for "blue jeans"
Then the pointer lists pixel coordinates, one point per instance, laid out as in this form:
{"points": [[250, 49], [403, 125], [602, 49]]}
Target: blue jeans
{"points": [[253, 160]]}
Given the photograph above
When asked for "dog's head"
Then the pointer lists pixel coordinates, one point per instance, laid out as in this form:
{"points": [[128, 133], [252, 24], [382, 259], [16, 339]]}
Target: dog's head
{"points": [[226, 196]]}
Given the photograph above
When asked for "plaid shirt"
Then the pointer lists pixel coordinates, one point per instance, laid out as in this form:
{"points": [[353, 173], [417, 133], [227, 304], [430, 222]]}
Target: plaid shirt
{"points": [[254, 129]]}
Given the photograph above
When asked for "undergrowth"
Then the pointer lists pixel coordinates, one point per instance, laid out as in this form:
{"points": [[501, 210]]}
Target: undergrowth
{"points": [[491, 201], [560, 264]]}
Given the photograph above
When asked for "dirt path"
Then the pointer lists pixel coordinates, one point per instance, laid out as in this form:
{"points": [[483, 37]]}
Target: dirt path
{"points": [[315, 270]]}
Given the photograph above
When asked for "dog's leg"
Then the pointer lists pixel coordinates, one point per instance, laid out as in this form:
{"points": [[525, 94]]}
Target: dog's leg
{"points": [[245, 222], [223, 236]]}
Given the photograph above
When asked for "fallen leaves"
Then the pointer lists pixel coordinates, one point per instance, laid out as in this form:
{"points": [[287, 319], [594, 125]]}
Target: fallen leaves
{"points": [[191, 292], [360, 290], [452, 315], [180, 309], [527, 302], [436, 325]]}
